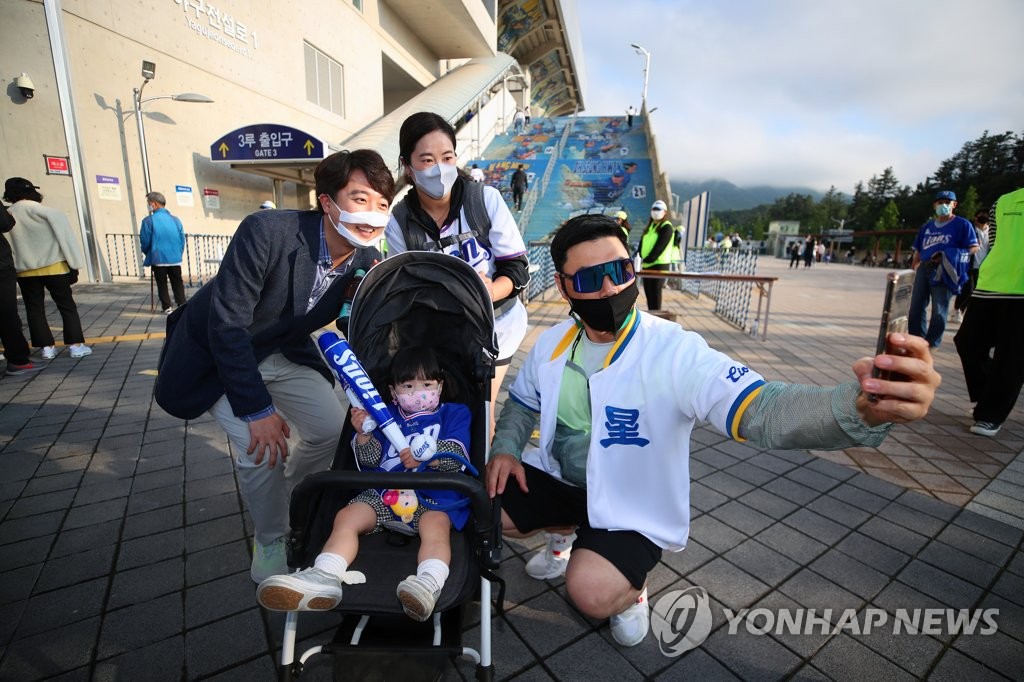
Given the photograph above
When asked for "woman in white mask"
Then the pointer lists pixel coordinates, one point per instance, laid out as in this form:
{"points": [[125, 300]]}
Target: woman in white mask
{"points": [[447, 212]]}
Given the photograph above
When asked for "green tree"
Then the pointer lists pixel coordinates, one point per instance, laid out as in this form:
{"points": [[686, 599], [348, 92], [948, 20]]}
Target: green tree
{"points": [[968, 205], [716, 225], [888, 219], [884, 187], [861, 213]]}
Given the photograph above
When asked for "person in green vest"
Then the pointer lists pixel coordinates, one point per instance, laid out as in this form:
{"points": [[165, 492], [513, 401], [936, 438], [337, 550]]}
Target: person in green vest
{"points": [[622, 218], [656, 251], [991, 336]]}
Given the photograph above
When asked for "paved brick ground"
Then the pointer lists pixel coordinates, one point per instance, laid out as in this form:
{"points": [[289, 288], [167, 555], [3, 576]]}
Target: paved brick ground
{"points": [[125, 548]]}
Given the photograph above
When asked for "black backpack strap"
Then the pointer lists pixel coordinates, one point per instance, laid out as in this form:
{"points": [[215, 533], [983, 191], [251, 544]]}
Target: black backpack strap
{"points": [[415, 238], [476, 212]]}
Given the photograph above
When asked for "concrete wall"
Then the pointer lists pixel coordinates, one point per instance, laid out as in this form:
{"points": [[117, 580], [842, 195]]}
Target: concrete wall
{"points": [[254, 76]]}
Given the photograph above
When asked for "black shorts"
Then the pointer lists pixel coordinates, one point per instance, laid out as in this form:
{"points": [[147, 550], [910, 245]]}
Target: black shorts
{"points": [[552, 503]]}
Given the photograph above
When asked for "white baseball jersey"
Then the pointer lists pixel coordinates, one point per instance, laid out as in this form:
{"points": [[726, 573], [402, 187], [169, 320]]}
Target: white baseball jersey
{"points": [[657, 382]]}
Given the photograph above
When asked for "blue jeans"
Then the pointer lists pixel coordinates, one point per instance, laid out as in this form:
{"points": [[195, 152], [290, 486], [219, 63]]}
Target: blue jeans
{"points": [[924, 289]]}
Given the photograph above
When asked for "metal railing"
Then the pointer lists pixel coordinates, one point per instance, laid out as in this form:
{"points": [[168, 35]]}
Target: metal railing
{"points": [[732, 299], [542, 270], [200, 261], [542, 187]]}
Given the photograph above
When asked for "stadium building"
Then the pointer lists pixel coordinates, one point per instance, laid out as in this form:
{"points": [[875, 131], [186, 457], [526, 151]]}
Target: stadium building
{"points": [[223, 105]]}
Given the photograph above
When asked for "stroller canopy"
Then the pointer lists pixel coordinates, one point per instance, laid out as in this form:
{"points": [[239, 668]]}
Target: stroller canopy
{"points": [[422, 298]]}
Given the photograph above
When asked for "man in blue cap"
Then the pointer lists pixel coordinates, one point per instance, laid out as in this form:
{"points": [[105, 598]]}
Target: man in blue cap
{"points": [[942, 251]]}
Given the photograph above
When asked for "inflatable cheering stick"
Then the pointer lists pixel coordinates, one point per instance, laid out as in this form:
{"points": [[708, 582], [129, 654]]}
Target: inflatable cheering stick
{"points": [[358, 387]]}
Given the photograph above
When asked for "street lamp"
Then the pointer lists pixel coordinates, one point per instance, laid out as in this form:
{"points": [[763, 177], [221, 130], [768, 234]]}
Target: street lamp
{"points": [[148, 73], [647, 67]]}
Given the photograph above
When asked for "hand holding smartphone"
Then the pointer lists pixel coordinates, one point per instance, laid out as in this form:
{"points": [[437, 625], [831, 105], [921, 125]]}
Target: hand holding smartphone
{"points": [[895, 318]]}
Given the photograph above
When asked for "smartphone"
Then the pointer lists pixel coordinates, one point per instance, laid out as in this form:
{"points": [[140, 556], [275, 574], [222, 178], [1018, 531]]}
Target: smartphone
{"points": [[899, 285]]}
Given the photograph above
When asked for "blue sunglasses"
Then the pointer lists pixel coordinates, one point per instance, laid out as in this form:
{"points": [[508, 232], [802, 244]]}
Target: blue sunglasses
{"points": [[591, 279]]}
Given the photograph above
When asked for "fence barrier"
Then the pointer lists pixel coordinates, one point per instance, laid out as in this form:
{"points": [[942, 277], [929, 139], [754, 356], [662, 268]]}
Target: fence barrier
{"points": [[200, 261], [732, 298]]}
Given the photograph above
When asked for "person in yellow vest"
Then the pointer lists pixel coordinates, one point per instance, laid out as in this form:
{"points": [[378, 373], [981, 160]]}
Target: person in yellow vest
{"points": [[622, 218], [656, 251], [991, 336]]}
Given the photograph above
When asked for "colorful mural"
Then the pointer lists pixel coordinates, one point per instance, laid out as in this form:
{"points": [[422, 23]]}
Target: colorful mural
{"points": [[604, 168], [518, 19], [498, 173]]}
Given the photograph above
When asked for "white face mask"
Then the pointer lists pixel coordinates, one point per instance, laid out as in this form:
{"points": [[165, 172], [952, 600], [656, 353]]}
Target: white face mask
{"points": [[436, 181], [657, 214], [371, 218]]}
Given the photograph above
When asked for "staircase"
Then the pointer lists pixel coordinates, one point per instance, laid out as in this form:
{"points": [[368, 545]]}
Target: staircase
{"points": [[594, 164]]}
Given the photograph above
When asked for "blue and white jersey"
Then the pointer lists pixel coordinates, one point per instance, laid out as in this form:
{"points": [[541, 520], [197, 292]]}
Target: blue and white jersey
{"points": [[658, 381], [506, 240], [449, 422], [934, 239]]}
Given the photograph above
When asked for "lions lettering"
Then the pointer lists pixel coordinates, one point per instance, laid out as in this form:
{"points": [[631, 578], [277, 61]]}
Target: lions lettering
{"points": [[735, 373], [357, 377]]}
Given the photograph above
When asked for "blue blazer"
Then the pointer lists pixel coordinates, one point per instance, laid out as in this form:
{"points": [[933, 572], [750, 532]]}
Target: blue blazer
{"points": [[255, 306]]}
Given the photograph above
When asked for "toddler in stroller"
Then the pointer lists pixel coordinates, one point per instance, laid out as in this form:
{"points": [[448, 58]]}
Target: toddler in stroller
{"points": [[413, 301], [439, 432]]}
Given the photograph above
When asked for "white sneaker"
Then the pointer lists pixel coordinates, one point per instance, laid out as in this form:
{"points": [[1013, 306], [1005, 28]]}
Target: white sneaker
{"points": [[268, 560], [168, 311], [630, 627], [418, 596], [310, 590], [550, 562], [49, 352], [80, 350]]}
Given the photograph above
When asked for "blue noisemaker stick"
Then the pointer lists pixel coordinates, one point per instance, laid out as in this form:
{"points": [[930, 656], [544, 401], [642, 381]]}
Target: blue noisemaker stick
{"points": [[360, 390]]}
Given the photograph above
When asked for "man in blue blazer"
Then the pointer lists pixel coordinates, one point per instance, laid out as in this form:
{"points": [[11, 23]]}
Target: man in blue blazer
{"points": [[240, 348]]}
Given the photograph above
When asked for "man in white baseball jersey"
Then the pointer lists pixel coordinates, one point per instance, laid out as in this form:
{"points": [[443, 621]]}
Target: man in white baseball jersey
{"points": [[618, 392]]}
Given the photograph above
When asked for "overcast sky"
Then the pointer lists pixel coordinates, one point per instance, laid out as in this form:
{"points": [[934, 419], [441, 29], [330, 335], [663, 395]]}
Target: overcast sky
{"points": [[809, 93]]}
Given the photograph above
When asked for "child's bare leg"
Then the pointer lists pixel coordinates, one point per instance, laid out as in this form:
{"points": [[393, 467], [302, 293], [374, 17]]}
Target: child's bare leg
{"points": [[319, 588], [419, 593], [435, 537], [352, 521]]}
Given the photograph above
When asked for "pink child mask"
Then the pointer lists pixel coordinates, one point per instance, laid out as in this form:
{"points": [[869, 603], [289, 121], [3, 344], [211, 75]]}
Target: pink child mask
{"points": [[420, 400]]}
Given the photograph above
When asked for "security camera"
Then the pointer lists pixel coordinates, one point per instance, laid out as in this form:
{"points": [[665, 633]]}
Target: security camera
{"points": [[25, 85]]}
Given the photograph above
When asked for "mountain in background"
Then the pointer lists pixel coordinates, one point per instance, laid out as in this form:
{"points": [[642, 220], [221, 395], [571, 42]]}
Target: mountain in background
{"points": [[726, 196]]}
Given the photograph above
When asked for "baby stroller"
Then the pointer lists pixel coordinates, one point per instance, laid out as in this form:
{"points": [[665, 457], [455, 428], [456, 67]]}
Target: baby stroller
{"points": [[412, 299]]}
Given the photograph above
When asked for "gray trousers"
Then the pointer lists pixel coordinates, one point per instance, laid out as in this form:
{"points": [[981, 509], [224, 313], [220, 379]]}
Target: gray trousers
{"points": [[308, 403]]}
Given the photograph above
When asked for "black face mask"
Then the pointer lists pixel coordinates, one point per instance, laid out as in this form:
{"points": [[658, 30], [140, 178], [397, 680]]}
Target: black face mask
{"points": [[606, 314]]}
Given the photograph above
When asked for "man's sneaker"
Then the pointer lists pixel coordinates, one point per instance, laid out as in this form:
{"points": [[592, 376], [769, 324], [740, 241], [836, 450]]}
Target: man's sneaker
{"points": [[49, 352], [268, 560], [27, 368], [80, 350], [630, 627], [986, 428], [418, 595], [310, 590], [551, 561], [168, 311]]}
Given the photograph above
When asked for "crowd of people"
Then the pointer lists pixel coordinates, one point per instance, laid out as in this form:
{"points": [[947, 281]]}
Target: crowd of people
{"points": [[240, 350]]}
